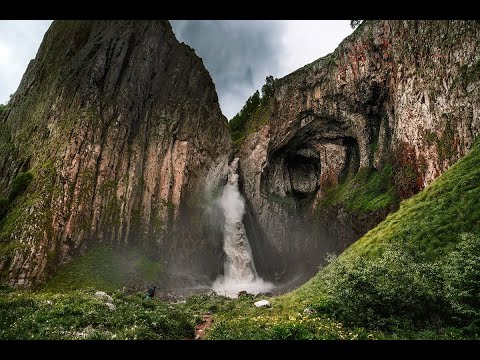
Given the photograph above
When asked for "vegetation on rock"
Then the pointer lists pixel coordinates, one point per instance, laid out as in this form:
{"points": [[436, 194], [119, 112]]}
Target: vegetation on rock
{"points": [[20, 184], [368, 190], [254, 113], [103, 130]]}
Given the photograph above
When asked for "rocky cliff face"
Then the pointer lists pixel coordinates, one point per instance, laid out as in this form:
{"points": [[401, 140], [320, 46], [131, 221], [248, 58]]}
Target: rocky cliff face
{"points": [[120, 126], [396, 97], [115, 136]]}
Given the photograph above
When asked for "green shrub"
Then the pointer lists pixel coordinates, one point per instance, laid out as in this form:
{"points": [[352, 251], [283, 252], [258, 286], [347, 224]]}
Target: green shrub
{"points": [[400, 289], [396, 290], [80, 315], [20, 184], [461, 271], [4, 204]]}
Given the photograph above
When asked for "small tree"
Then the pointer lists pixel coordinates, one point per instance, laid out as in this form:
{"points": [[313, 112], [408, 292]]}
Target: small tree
{"points": [[354, 23], [269, 88], [462, 279]]}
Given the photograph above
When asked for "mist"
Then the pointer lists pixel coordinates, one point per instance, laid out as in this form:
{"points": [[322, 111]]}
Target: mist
{"points": [[240, 273]]}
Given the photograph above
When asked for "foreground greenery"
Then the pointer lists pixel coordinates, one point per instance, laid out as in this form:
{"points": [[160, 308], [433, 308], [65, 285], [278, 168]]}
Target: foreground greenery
{"points": [[394, 296], [81, 315], [415, 276]]}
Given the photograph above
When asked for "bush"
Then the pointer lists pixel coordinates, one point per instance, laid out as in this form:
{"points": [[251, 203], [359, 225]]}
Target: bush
{"points": [[4, 203], [395, 290], [461, 271], [80, 315], [20, 184], [399, 289]]}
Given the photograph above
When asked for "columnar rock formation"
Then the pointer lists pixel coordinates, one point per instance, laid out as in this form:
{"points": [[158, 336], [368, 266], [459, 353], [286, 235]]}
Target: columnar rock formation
{"points": [[119, 124]]}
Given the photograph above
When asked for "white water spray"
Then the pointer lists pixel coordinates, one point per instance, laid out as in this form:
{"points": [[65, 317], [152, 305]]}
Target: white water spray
{"points": [[239, 270]]}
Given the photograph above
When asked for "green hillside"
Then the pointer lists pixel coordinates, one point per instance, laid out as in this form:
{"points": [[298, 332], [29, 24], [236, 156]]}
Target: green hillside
{"points": [[433, 219]]}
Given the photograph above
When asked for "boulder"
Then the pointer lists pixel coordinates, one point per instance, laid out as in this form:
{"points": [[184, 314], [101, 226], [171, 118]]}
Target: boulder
{"points": [[104, 296], [262, 303], [309, 311], [111, 306]]}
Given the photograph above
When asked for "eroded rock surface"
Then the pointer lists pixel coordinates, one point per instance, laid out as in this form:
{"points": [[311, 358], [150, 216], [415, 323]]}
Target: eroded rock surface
{"points": [[120, 125], [398, 93]]}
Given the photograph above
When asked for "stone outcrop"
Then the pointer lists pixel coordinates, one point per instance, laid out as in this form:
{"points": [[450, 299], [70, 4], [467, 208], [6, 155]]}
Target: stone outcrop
{"points": [[119, 124], [398, 93]]}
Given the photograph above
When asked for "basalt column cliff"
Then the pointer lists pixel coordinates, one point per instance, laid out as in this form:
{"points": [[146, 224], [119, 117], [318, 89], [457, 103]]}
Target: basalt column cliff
{"points": [[115, 135]]}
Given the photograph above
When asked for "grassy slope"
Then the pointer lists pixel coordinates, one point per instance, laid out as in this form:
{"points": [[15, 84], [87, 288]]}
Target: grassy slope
{"points": [[107, 269], [433, 219]]}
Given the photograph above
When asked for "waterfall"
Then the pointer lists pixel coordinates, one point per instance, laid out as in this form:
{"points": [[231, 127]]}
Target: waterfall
{"points": [[239, 270]]}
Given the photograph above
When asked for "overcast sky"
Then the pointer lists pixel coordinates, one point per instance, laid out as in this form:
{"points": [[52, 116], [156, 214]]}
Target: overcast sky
{"points": [[239, 54]]}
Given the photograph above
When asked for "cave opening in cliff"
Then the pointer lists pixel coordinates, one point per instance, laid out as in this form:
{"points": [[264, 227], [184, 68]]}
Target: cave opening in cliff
{"points": [[304, 174]]}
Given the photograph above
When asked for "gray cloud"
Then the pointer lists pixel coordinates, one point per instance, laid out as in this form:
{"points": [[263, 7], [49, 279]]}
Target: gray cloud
{"points": [[239, 54]]}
